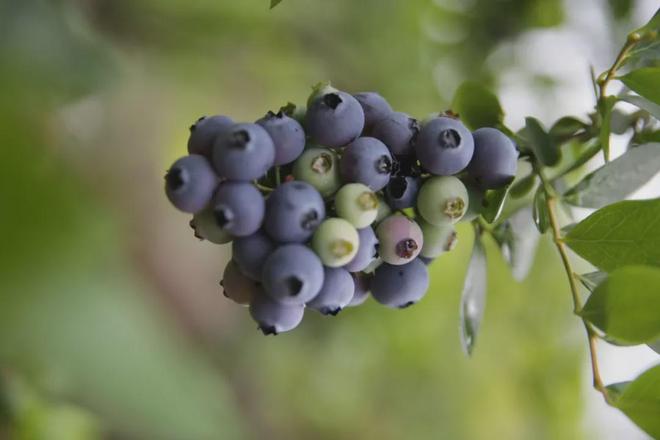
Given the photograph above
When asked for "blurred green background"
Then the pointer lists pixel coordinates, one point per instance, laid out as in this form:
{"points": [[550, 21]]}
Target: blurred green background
{"points": [[112, 323]]}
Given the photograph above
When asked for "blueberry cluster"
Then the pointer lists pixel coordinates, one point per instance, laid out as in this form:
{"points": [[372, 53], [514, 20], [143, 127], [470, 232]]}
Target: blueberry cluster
{"points": [[327, 204]]}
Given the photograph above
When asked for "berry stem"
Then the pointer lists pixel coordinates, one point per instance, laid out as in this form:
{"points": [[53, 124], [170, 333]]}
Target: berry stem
{"points": [[278, 177], [551, 204]]}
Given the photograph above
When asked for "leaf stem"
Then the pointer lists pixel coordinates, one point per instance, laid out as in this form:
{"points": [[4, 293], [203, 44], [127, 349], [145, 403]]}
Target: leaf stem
{"points": [[577, 303], [609, 75]]}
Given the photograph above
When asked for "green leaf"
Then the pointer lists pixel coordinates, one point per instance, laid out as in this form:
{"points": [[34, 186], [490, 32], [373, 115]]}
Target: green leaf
{"points": [[566, 128], [640, 401], [540, 142], [493, 203], [540, 211], [605, 110], [274, 3], [652, 25], [614, 390], [618, 235], [620, 8], [617, 179], [626, 305], [522, 187], [473, 297], [644, 104], [645, 82], [477, 106], [591, 280]]}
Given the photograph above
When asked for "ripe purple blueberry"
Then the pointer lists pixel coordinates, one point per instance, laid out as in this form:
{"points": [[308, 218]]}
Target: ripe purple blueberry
{"points": [[368, 161], [375, 108], [334, 119], [250, 253], [243, 152], [337, 291], [287, 135], [203, 133], [274, 317], [398, 131], [494, 162], [190, 182], [400, 286], [444, 146], [293, 212], [292, 274], [238, 208]]}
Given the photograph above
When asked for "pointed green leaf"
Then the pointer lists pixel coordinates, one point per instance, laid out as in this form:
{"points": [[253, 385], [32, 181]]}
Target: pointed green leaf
{"points": [[605, 110], [645, 82], [520, 188], [617, 235], [617, 179], [540, 142], [566, 128], [652, 25], [640, 401], [626, 306], [473, 297], [493, 203], [477, 106], [540, 211]]}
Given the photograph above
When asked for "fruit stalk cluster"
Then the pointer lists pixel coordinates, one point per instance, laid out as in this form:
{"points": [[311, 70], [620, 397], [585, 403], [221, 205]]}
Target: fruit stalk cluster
{"points": [[368, 199]]}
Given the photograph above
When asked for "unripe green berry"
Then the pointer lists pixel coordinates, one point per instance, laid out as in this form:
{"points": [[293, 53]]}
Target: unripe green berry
{"points": [[336, 242], [442, 200], [206, 227], [320, 168], [357, 204]]}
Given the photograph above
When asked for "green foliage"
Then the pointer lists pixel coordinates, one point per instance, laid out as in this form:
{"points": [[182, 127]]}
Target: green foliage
{"points": [[640, 401], [540, 210], [605, 110], [645, 81], [473, 297], [616, 179], [493, 203], [477, 106], [539, 142], [618, 235], [274, 3], [625, 305]]}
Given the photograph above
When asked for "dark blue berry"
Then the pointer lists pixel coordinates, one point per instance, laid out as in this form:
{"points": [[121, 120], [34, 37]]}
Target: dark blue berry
{"points": [[494, 162], [368, 161], [293, 212], [287, 135], [243, 152], [274, 317], [203, 134], [251, 252], [190, 182], [336, 292], [238, 208], [400, 286], [292, 274], [334, 119], [375, 108], [444, 146], [398, 131]]}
